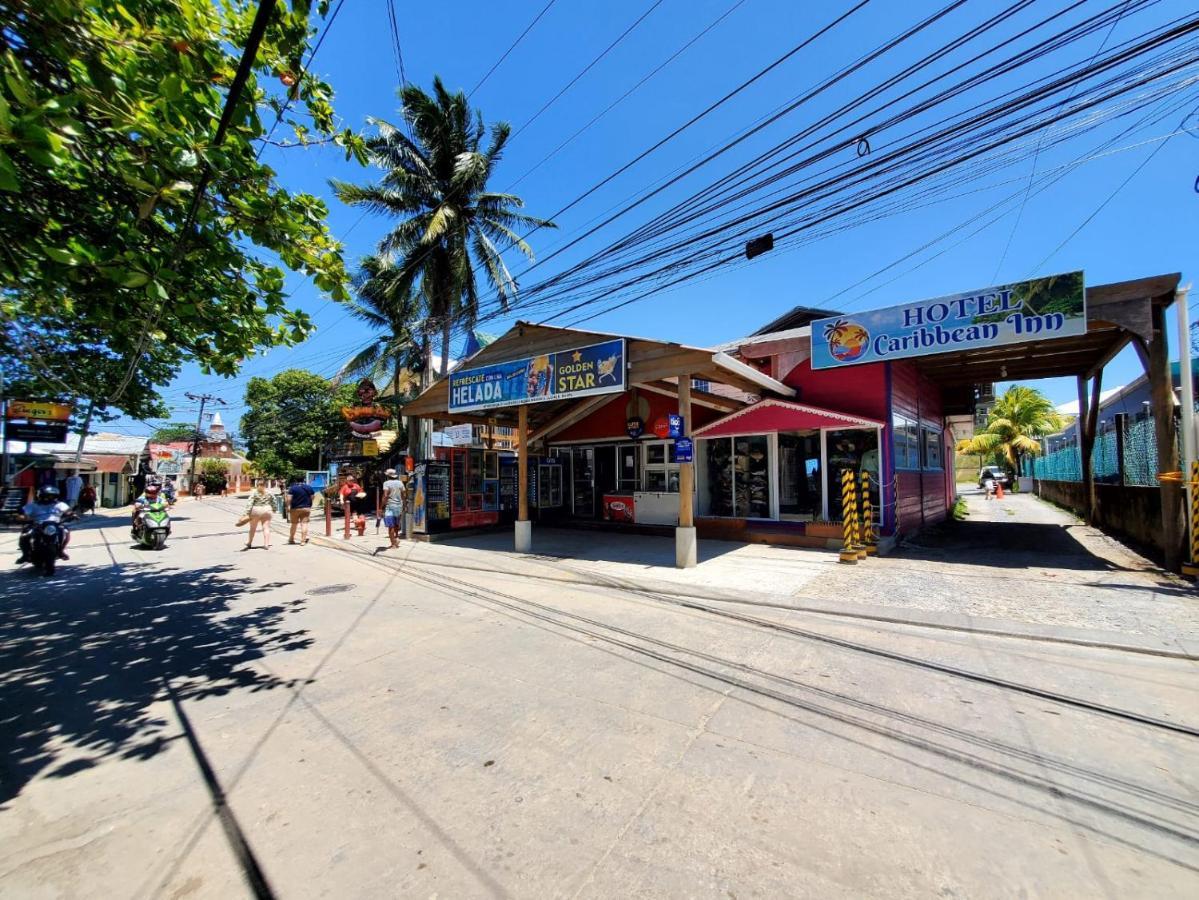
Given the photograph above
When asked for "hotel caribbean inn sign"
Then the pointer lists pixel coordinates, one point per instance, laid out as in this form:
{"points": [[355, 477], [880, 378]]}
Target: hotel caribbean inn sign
{"points": [[1040, 309]]}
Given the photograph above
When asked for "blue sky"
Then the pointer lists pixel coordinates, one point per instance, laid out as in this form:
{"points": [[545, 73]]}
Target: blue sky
{"points": [[1148, 228]]}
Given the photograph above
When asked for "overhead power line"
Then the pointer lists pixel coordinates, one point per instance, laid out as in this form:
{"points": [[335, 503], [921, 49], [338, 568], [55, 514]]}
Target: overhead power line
{"points": [[587, 68], [511, 47]]}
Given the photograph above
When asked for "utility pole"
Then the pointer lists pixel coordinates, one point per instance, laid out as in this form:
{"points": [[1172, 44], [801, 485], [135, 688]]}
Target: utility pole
{"points": [[204, 399]]}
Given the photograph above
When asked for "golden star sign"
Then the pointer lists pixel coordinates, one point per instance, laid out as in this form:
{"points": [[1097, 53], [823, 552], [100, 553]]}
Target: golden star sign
{"points": [[578, 356]]}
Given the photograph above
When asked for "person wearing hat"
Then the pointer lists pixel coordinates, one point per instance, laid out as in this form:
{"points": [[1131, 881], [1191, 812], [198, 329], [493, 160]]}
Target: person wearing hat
{"points": [[393, 506]]}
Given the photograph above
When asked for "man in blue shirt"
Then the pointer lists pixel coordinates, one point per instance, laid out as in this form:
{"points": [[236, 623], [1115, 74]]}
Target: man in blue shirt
{"points": [[299, 507]]}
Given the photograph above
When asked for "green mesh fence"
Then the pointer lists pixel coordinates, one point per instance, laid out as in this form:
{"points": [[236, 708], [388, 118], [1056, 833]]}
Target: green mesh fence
{"points": [[1060, 465], [1139, 451]]}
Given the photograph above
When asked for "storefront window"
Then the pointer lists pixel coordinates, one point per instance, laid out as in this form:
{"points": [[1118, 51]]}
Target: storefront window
{"points": [[932, 448], [856, 450], [719, 473], [907, 444], [661, 472], [751, 468]]}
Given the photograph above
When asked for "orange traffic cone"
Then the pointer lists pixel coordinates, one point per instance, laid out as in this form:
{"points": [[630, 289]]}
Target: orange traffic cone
{"points": [[998, 490]]}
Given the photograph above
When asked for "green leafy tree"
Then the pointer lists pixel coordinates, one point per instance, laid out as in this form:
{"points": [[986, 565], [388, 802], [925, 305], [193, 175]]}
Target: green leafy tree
{"points": [[451, 224], [123, 222], [215, 475], [174, 431], [291, 418], [1019, 417]]}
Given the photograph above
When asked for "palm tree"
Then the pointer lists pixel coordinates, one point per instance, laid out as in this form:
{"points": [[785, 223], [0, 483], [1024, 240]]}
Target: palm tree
{"points": [[450, 224], [394, 311], [1019, 417]]}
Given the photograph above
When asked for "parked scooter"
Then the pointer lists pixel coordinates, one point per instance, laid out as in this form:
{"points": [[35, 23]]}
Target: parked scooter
{"points": [[153, 526]]}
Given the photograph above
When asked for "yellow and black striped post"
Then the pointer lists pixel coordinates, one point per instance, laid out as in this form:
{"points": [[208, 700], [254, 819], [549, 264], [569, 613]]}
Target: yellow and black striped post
{"points": [[1194, 512], [849, 519], [869, 540]]}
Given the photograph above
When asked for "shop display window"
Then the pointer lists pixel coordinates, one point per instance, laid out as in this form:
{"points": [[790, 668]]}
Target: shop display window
{"points": [[660, 472], [738, 474], [751, 468], [932, 448], [856, 450], [907, 443]]}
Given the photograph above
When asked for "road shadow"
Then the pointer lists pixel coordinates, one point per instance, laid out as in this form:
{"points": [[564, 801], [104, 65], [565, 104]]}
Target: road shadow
{"points": [[1010, 545], [84, 657]]}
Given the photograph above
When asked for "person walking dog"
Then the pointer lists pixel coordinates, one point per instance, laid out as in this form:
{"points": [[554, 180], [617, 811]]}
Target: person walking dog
{"points": [[259, 512]]}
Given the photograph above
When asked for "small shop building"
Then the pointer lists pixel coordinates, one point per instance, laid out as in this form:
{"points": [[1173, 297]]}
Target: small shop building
{"points": [[749, 440]]}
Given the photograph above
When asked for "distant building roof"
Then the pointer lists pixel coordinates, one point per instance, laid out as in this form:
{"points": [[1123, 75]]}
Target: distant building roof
{"points": [[102, 443], [796, 317]]}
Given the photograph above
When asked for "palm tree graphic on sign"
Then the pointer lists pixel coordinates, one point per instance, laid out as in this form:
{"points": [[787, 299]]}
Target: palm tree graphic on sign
{"points": [[846, 340]]}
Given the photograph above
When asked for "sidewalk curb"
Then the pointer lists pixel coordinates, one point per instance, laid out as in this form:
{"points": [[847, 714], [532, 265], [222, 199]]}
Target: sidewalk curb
{"points": [[952, 622]]}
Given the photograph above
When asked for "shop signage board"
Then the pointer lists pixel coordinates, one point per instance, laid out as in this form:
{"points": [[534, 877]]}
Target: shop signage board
{"points": [[459, 435], [40, 410], [684, 450], [1040, 309], [579, 372], [33, 431], [635, 427]]}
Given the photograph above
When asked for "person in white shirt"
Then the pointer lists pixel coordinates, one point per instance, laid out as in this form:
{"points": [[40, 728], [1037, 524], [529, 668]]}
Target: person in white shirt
{"points": [[46, 508], [74, 485], [393, 506]]}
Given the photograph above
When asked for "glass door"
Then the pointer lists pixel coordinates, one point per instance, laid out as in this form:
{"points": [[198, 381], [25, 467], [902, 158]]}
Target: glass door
{"points": [[583, 482], [800, 478]]}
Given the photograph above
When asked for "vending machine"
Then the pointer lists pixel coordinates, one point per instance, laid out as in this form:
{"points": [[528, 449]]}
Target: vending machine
{"points": [[468, 489], [431, 497]]}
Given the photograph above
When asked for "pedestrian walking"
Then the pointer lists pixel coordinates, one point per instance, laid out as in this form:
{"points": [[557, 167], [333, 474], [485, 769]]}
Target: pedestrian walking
{"points": [[394, 490], [259, 512], [87, 500], [198, 490], [298, 501], [74, 487], [360, 506]]}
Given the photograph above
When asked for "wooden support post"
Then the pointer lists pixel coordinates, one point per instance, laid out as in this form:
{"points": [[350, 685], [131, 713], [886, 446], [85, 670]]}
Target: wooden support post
{"points": [[328, 515], [524, 528], [1162, 394], [685, 543], [1088, 420], [687, 469]]}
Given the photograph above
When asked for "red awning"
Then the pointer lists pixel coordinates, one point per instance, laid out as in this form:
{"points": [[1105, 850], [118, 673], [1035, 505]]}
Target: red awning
{"points": [[768, 416]]}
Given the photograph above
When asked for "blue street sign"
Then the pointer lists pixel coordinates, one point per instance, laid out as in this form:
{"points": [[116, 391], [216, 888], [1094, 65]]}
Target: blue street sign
{"points": [[684, 450]]}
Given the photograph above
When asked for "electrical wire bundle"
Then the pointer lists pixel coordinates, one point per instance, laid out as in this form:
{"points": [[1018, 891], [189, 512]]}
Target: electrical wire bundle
{"points": [[882, 153]]}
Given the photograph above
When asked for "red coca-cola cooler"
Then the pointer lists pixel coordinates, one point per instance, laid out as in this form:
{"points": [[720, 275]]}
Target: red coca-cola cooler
{"points": [[618, 508]]}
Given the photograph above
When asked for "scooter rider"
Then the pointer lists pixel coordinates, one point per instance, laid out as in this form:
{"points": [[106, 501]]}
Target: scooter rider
{"points": [[46, 508], [141, 503]]}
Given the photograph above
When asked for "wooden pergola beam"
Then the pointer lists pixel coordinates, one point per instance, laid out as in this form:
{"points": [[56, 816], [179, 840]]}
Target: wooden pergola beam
{"points": [[699, 398]]}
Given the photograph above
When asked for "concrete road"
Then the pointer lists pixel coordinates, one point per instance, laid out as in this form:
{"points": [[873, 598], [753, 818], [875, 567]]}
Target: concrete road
{"points": [[324, 721]]}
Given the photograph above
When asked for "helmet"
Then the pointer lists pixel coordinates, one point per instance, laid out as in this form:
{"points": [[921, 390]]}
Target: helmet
{"points": [[48, 494]]}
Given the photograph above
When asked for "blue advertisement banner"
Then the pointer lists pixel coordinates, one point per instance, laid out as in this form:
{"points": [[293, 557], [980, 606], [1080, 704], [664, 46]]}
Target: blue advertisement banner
{"points": [[579, 372], [1036, 310]]}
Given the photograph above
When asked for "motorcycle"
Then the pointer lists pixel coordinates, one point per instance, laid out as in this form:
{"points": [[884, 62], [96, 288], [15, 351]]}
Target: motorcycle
{"points": [[153, 526], [44, 541]]}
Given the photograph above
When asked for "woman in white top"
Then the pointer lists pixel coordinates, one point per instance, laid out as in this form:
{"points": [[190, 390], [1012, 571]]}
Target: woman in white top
{"points": [[260, 511]]}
